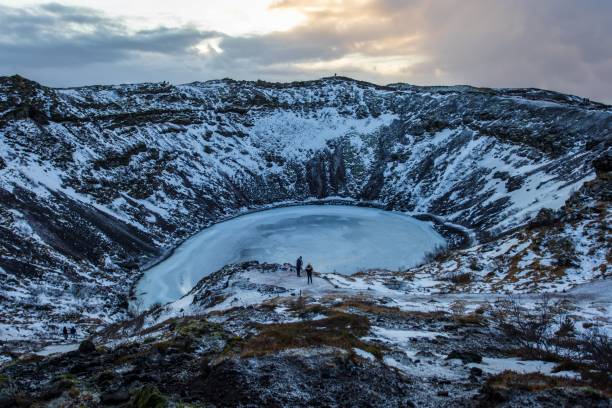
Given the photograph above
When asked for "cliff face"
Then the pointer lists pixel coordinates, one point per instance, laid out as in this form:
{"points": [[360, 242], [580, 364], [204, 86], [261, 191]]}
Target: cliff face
{"points": [[95, 181]]}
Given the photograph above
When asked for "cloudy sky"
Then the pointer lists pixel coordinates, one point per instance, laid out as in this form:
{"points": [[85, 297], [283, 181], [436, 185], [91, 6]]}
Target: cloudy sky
{"points": [[564, 45]]}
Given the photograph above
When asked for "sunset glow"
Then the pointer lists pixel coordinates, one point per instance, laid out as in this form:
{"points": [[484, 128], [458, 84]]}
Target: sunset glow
{"points": [[560, 45]]}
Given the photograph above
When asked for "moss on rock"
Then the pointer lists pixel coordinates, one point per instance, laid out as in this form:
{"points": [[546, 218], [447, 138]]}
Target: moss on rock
{"points": [[149, 397]]}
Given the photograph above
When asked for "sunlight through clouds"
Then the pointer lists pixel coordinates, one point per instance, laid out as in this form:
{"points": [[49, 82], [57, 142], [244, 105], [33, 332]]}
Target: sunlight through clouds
{"points": [[209, 46], [233, 17], [389, 65], [553, 44]]}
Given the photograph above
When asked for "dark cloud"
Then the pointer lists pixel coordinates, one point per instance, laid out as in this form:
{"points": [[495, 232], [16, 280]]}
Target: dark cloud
{"points": [[54, 35], [555, 44]]}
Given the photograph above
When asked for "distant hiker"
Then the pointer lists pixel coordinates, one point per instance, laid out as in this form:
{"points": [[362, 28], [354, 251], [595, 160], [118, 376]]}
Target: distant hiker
{"points": [[73, 331], [65, 331], [298, 266], [309, 271]]}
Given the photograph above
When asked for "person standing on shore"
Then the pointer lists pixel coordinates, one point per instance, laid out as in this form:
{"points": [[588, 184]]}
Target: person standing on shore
{"points": [[309, 271], [298, 266]]}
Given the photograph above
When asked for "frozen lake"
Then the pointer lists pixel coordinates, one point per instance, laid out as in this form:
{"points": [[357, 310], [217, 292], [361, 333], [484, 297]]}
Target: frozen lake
{"points": [[342, 239]]}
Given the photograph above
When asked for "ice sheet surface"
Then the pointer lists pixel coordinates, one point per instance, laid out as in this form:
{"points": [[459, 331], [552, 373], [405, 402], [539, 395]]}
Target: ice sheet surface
{"points": [[342, 239]]}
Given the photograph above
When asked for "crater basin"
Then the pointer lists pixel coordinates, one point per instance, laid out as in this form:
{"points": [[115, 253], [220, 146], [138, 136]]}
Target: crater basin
{"points": [[341, 239]]}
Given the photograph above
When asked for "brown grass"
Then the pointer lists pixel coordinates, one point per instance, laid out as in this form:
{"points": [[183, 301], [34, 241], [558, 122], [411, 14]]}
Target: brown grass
{"points": [[530, 354], [513, 268], [568, 365], [340, 330], [529, 382], [471, 319], [533, 382], [462, 278]]}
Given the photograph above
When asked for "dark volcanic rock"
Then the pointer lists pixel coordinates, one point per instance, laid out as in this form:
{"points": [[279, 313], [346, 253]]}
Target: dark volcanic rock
{"points": [[546, 217], [465, 356], [87, 347], [114, 398], [475, 372], [7, 401], [56, 388], [325, 378], [603, 167]]}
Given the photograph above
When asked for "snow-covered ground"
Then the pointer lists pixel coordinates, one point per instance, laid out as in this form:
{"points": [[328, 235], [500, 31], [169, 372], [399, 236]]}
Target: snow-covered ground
{"points": [[341, 239], [417, 325], [57, 349], [255, 284]]}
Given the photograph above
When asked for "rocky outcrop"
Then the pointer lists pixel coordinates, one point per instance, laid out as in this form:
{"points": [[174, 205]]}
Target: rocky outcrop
{"points": [[603, 167], [326, 173]]}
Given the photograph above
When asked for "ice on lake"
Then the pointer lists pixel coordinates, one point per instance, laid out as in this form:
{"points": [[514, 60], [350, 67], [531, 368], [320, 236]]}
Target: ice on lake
{"points": [[342, 239]]}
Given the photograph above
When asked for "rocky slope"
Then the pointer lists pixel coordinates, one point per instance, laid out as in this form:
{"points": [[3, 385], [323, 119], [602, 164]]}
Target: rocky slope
{"points": [[96, 182], [256, 335]]}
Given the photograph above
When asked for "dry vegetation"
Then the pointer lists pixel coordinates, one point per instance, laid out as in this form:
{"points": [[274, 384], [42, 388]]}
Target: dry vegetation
{"points": [[508, 382], [545, 332], [340, 330], [370, 307]]}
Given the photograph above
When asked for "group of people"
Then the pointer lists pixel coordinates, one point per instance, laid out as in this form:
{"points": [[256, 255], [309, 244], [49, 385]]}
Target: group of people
{"points": [[72, 332], [309, 269]]}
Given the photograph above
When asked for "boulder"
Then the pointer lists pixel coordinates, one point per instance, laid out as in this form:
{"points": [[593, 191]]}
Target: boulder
{"points": [[56, 388], [475, 372], [544, 218], [87, 347], [603, 167], [114, 398]]}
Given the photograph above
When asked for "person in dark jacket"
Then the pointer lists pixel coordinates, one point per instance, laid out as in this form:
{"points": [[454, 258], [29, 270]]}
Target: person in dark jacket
{"points": [[65, 331], [73, 331], [298, 266], [309, 271]]}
